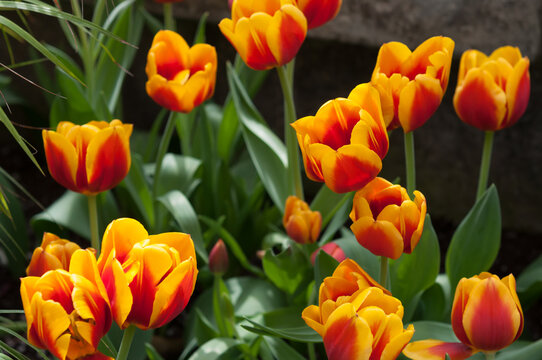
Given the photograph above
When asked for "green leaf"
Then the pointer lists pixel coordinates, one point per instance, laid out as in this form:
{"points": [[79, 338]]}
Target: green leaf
{"points": [[266, 150], [529, 352], [200, 31], [475, 243], [141, 337], [301, 333], [529, 283], [214, 349], [324, 265], [433, 330], [328, 202], [152, 353], [203, 329], [137, 187], [251, 296], [106, 347], [353, 250], [178, 173], [182, 211], [288, 270], [281, 350], [339, 216], [223, 308], [413, 273], [433, 304]]}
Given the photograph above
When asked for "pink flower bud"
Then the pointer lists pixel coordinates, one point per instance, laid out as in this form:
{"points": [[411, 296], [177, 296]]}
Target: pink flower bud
{"points": [[218, 258]]}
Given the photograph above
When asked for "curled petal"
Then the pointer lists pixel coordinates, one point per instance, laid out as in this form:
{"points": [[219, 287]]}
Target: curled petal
{"points": [[61, 159], [437, 350]]}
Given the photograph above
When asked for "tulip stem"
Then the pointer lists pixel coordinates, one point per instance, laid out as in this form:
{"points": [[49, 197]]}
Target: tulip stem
{"points": [[312, 353], [485, 165], [126, 342], [162, 149], [93, 223], [294, 171], [410, 161], [383, 271], [169, 20]]}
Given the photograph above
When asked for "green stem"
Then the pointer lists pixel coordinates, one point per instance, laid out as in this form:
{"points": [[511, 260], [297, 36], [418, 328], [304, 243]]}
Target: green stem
{"points": [[490, 355], [294, 171], [410, 161], [169, 20], [93, 223], [312, 353], [485, 165], [126, 342], [383, 271], [162, 149]]}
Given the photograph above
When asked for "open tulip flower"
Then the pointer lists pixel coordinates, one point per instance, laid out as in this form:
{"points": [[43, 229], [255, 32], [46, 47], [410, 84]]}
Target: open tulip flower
{"points": [[319, 12], [344, 143], [412, 83], [53, 253], [486, 316], [302, 225], [356, 317], [385, 220], [266, 34], [149, 278], [90, 158], [180, 77], [492, 92], [68, 313]]}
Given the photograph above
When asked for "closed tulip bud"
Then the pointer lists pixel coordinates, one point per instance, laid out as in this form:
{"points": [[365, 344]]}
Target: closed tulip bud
{"points": [[180, 77], [218, 258], [412, 83], [319, 12], [54, 253], [302, 225], [266, 34], [149, 278], [90, 158], [492, 92], [68, 313], [332, 249], [385, 220], [344, 143]]}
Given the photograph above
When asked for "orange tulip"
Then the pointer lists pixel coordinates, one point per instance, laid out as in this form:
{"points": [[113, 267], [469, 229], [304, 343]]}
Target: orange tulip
{"points": [[486, 316], [356, 317], [319, 12], [332, 249], [266, 34], [492, 92], [90, 158], [54, 253], [302, 225], [411, 84], [179, 77], [149, 279], [67, 312], [385, 220], [345, 142]]}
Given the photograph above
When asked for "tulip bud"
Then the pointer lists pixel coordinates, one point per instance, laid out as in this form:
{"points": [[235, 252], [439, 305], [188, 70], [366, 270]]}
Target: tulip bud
{"points": [[218, 258], [53, 253], [332, 249], [301, 224]]}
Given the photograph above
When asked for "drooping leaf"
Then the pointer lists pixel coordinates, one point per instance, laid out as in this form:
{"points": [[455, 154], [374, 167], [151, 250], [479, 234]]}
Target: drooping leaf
{"points": [[288, 270]]}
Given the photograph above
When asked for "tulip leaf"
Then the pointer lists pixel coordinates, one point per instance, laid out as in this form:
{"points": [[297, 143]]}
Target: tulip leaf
{"points": [[281, 350], [301, 333], [266, 150], [215, 349], [288, 270], [152, 353], [476, 241], [178, 173], [22, 339], [415, 272], [435, 300], [137, 187], [182, 211], [328, 203], [324, 265], [433, 330], [528, 352], [339, 216], [353, 250], [529, 283]]}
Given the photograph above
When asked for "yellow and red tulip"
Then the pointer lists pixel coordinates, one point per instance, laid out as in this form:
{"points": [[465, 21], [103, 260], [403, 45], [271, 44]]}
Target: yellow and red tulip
{"points": [[385, 220], [53, 253], [266, 34], [149, 278], [67, 312], [344, 143], [90, 158], [302, 225], [492, 92], [319, 12], [180, 77], [486, 316], [332, 249], [412, 83]]}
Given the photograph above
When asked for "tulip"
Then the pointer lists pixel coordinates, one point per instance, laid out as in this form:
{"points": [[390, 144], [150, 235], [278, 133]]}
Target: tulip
{"points": [[385, 220], [302, 225], [67, 313], [332, 249], [180, 77], [218, 258], [90, 158], [54, 253], [412, 84], [486, 316], [492, 92], [344, 143], [266, 34], [149, 279], [319, 12]]}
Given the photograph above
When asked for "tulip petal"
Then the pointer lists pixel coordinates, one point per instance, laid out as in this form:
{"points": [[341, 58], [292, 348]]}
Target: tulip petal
{"points": [[437, 350], [379, 237], [390, 57], [61, 159], [419, 99], [518, 88], [119, 237], [469, 60], [120, 296], [179, 241], [319, 12], [286, 33], [311, 315], [42, 262], [510, 53]]}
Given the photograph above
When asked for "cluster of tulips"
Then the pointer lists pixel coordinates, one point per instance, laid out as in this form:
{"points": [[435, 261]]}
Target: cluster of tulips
{"points": [[72, 295]]}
